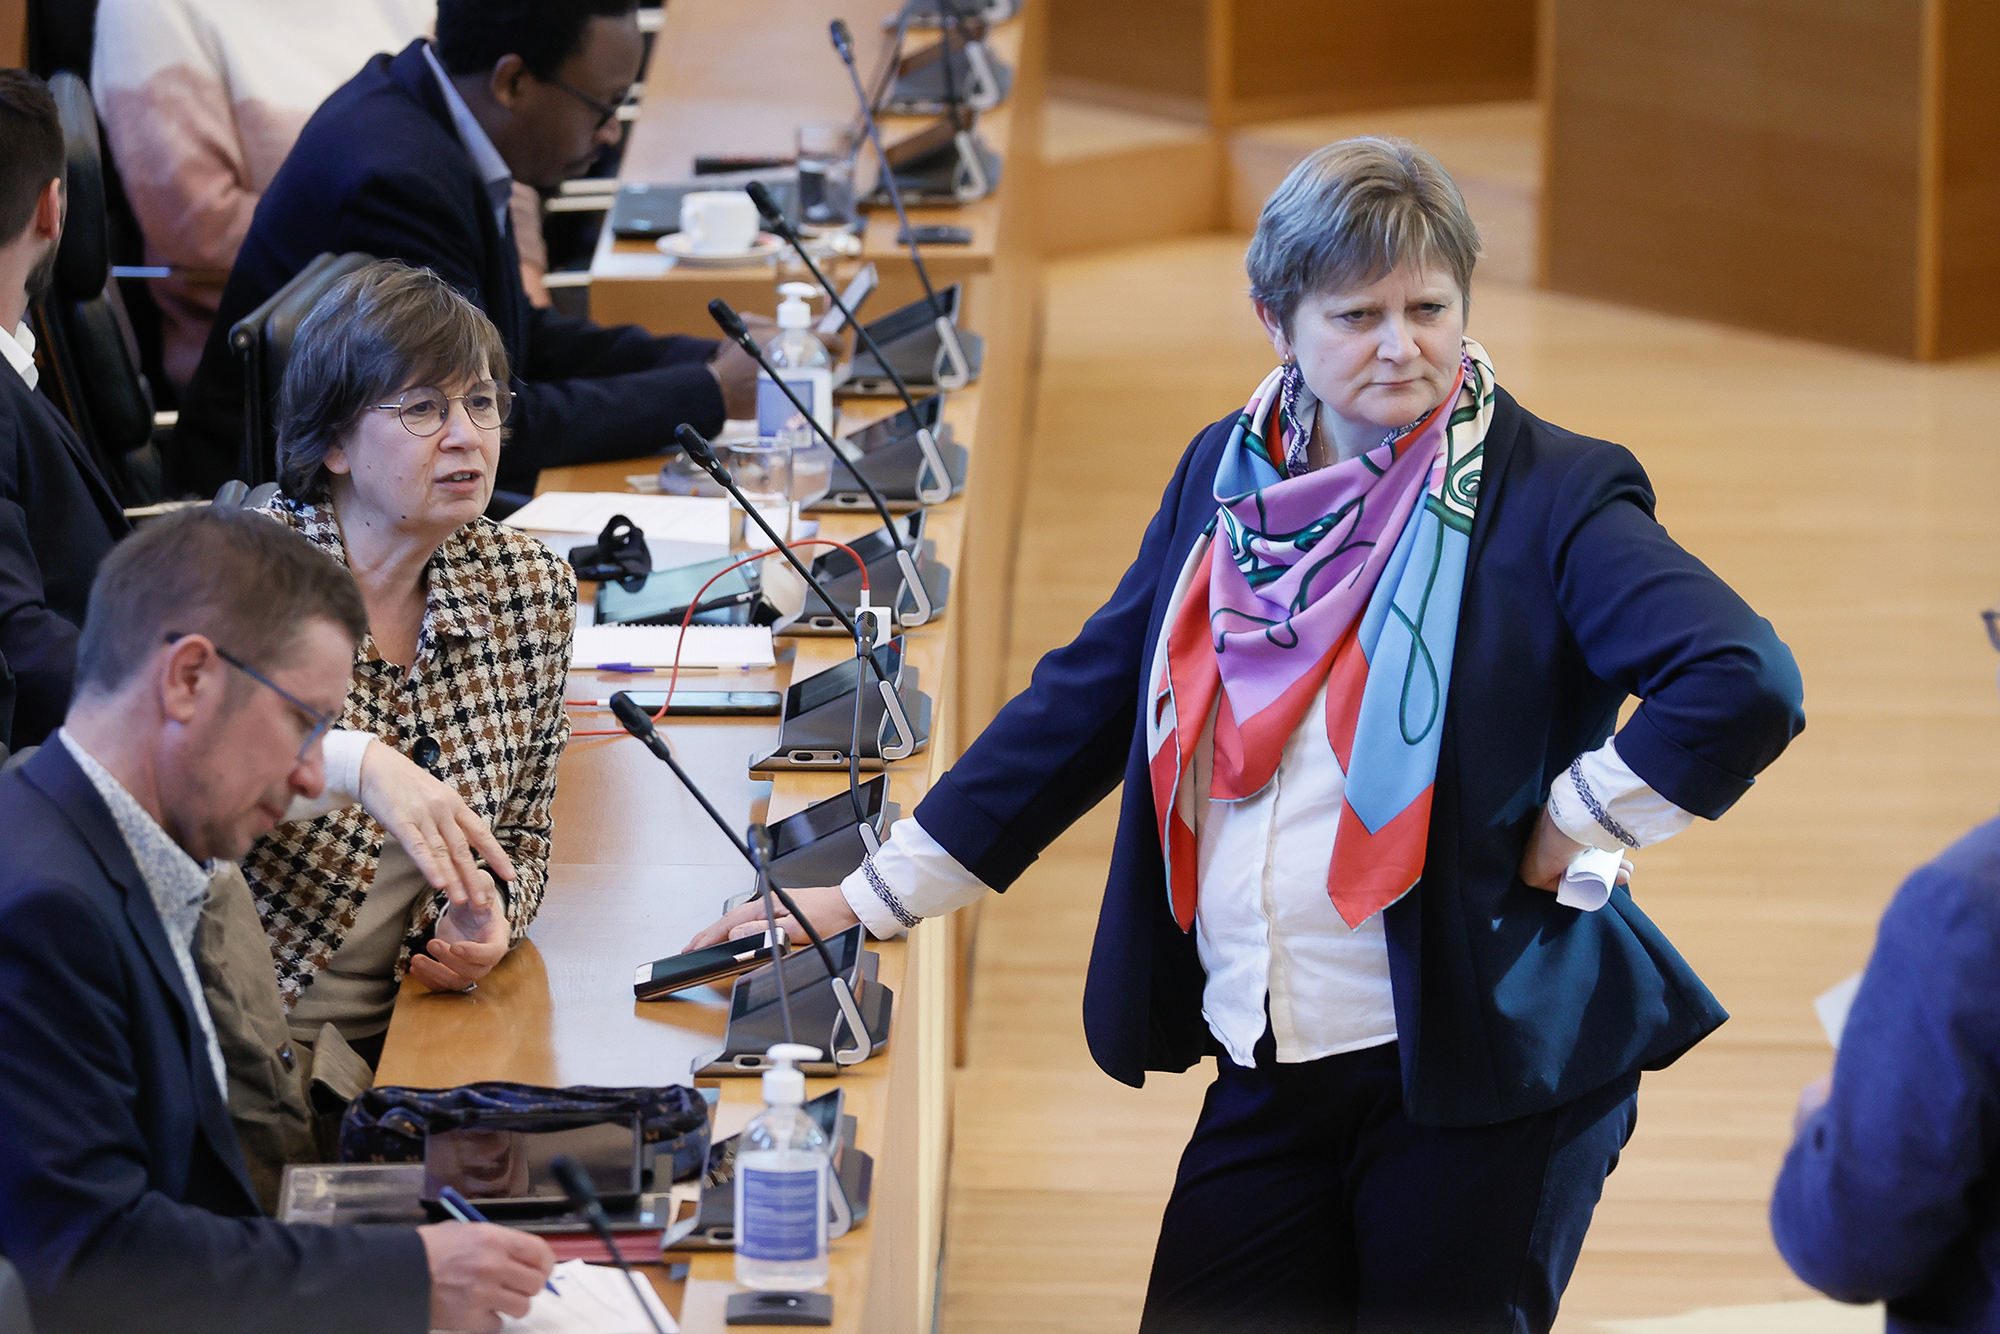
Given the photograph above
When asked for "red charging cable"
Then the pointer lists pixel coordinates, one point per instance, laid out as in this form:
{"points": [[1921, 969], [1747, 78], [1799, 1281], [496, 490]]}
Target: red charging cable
{"points": [[687, 619]]}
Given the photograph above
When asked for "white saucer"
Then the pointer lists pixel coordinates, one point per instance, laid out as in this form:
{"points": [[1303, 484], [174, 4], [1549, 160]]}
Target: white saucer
{"points": [[678, 246]]}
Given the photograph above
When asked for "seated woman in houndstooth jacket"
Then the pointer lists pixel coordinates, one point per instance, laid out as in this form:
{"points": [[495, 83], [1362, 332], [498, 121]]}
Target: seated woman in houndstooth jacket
{"points": [[390, 428]]}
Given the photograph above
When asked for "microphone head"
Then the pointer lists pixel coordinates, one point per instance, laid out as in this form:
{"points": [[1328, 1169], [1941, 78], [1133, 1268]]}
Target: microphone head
{"points": [[632, 716], [843, 39], [698, 450], [759, 839], [774, 217], [575, 1182], [728, 320]]}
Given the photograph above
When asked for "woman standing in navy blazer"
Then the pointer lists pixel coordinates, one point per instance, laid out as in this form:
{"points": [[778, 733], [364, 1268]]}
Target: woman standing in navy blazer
{"points": [[1358, 685]]}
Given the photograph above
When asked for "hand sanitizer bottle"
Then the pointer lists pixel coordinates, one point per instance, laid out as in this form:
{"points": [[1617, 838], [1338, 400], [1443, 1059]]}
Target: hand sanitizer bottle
{"points": [[781, 1168], [797, 347]]}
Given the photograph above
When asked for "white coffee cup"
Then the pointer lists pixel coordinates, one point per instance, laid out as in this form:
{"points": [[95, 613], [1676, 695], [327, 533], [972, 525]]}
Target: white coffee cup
{"points": [[718, 222]]}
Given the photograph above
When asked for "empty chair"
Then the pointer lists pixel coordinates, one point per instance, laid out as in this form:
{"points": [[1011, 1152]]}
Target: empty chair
{"points": [[263, 339]]}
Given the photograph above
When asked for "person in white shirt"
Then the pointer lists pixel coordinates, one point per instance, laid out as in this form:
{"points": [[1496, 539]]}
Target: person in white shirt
{"points": [[1359, 684]]}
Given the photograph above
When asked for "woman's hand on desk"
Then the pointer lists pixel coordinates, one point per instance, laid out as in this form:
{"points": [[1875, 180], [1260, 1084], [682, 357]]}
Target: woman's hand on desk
{"points": [[470, 938], [826, 906], [1549, 853], [431, 820]]}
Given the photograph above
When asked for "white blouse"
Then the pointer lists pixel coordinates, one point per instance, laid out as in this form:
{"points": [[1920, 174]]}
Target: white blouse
{"points": [[1265, 927]]}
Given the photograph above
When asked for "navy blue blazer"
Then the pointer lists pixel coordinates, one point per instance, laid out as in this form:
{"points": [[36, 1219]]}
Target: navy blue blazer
{"points": [[379, 169], [1888, 1192], [58, 520], [1506, 1002], [123, 1197]]}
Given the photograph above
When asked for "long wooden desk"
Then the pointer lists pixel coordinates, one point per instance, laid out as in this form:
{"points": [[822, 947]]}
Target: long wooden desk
{"points": [[637, 868]]}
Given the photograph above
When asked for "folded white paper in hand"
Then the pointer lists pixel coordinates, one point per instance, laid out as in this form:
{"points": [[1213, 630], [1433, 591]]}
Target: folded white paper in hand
{"points": [[1587, 880], [589, 1299]]}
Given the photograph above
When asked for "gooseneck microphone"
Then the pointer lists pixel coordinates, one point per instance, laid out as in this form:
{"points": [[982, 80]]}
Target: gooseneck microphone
{"points": [[703, 455], [732, 324], [760, 859], [843, 43], [738, 332], [757, 852], [575, 1183], [635, 719], [774, 218]]}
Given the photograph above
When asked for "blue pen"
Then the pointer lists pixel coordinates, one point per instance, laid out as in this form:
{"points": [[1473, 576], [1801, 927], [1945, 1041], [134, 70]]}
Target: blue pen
{"points": [[466, 1212], [624, 669]]}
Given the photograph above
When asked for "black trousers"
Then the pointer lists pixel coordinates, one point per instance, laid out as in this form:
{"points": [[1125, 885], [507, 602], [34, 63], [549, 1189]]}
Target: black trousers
{"points": [[1307, 1201]]}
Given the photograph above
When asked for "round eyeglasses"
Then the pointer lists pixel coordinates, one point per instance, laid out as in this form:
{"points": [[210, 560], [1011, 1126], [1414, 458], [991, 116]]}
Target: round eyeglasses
{"points": [[423, 410]]}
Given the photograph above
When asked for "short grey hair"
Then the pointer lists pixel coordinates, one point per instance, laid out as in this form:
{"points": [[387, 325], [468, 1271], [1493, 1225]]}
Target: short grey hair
{"points": [[381, 329], [1350, 214]]}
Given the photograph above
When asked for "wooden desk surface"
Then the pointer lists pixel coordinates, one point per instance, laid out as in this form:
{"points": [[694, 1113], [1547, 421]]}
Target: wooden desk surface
{"points": [[637, 869], [705, 97]]}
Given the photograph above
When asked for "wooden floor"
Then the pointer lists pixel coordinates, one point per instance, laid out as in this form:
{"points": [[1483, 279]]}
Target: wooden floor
{"points": [[1848, 498]]}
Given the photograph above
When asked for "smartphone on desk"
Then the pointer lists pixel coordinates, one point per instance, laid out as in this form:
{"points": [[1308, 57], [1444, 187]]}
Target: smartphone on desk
{"points": [[663, 977], [710, 703]]}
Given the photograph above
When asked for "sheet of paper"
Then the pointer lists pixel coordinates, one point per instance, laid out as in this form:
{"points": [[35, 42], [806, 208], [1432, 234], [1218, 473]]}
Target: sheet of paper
{"points": [[700, 519], [1832, 1006], [653, 645], [590, 1299]]}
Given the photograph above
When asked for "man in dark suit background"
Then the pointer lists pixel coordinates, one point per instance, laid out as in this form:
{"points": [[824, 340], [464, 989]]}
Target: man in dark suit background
{"points": [[218, 648], [58, 517], [413, 159]]}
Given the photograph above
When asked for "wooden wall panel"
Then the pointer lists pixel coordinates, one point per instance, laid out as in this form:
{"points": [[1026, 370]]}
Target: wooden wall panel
{"points": [[1749, 161], [1315, 57], [1968, 166], [1144, 55], [1238, 62], [13, 32]]}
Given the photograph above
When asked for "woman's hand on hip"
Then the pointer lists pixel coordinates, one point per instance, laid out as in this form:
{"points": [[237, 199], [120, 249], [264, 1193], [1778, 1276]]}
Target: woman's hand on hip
{"points": [[469, 940], [1549, 853], [826, 906], [430, 819]]}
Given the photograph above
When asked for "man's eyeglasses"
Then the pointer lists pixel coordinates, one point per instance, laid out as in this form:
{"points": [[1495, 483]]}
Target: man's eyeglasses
{"points": [[606, 111], [320, 721], [423, 410]]}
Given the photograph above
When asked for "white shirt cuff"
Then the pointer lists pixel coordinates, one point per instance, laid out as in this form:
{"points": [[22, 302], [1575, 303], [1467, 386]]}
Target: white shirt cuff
{"points": [[1601, 803], [910, 878], [343, 750]]}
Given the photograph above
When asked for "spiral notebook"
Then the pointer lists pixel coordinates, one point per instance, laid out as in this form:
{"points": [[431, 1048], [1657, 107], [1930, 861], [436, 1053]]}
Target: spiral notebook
{"points": [[709, 646]]}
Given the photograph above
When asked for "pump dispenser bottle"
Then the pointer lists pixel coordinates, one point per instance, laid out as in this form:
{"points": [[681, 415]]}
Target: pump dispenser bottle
{"points": [[781, 1184], [797, 347]]}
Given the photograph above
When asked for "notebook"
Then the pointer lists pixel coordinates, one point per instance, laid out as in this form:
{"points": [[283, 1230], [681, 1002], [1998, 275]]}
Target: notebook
{"points": [[653, 646], [698, 519]]}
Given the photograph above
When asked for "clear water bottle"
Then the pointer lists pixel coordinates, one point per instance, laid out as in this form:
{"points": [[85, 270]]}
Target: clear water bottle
{"points": [[781, 1171]]}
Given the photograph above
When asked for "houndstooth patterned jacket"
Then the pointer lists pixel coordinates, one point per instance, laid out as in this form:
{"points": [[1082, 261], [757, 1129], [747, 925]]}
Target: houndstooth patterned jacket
{"points": [[487, 685]]}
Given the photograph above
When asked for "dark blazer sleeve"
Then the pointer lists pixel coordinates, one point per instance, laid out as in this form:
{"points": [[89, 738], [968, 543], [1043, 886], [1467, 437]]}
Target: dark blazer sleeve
{"points": [[585, 394], [38, 643], [1887, 1180], [1720, 694], [1060, 746], [563, 346], [100, 1249]]}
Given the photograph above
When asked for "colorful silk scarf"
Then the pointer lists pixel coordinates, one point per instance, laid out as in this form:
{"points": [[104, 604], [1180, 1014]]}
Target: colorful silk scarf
{"points": [[1347, 576]]}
